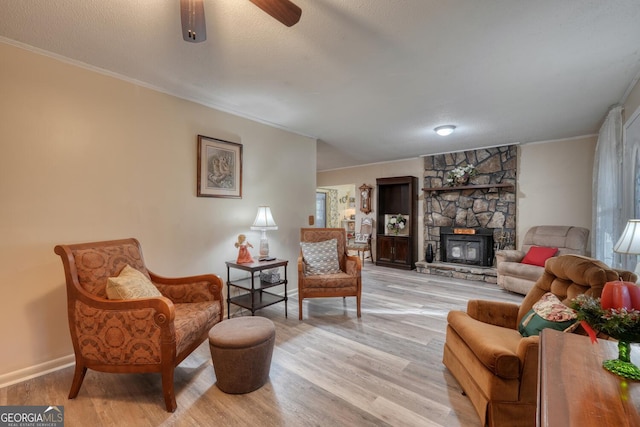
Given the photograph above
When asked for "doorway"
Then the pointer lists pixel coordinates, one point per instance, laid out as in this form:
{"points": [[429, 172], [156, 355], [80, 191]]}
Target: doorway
{"points": [[335, 204]]}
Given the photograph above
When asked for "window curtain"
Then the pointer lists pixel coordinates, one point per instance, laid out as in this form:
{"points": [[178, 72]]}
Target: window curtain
{"points": [[631, 180], [608, 219], [331, 212]]}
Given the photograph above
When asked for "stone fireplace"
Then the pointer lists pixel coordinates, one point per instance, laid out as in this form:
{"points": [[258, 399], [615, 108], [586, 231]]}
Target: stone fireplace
{"points": [[487, 203]]}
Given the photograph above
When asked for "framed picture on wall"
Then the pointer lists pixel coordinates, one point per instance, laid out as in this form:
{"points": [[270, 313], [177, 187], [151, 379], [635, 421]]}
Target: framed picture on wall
{"points": [[219, 168]]}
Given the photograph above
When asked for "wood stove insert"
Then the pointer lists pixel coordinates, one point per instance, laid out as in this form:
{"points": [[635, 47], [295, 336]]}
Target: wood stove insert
{"points": [[470, 249]]}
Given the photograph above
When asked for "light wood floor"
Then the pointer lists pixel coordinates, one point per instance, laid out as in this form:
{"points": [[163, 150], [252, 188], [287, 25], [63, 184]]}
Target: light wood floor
{"points": [[332, 369]]}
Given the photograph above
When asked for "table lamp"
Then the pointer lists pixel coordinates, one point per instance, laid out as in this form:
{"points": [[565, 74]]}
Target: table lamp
{"points": [[263, 222], [629, 242]]}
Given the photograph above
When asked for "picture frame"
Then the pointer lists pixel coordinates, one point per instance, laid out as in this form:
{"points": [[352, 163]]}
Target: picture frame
{"points": [[219, 171], [365, 198]]}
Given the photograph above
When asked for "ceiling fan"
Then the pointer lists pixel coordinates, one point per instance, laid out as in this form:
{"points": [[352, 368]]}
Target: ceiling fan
{"points": [[194, 29]]}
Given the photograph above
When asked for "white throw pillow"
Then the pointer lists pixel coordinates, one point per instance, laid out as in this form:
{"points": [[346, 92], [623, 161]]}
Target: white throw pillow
{"points": [[321, 257], [131, 284], [362, 238]]}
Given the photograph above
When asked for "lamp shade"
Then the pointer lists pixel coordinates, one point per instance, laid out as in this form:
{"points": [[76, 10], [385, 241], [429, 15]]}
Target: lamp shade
{"points": [[629, 242], [264, 220]]}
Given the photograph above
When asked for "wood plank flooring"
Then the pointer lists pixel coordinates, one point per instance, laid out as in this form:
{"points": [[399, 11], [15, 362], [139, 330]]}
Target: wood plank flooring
{"points": [[331, 369]]}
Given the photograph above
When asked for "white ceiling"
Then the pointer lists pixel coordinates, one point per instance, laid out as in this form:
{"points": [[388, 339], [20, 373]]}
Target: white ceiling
{"points": [[369, 78]]}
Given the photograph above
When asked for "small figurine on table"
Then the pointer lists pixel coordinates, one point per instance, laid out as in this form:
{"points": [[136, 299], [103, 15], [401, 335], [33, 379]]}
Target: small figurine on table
{"points": [[243, 252]]}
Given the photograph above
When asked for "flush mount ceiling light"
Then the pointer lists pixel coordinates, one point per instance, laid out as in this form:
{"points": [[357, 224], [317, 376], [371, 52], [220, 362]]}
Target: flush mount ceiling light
{"points": [[445, 130]]}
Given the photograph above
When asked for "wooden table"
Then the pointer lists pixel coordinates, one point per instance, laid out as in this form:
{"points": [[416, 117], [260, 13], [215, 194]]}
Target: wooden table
{"points": [[575, 390]]}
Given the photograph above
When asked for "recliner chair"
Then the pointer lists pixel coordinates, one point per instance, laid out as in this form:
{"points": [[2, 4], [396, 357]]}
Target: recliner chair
{"points": [[496, 366], [515, 276]]}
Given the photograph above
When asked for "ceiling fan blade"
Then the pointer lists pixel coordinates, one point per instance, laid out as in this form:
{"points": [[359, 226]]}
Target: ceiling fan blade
{"points": [[194, 29], [283, 10]]}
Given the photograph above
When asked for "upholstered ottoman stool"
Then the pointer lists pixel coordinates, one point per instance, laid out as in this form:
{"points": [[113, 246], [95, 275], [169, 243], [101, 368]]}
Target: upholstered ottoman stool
{"points": [[241, 350]]}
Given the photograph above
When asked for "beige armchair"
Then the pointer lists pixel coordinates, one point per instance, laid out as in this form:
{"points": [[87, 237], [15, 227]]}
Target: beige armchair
{"points": [[496, 366], [345, 281], [515, 276], [151, 334]]}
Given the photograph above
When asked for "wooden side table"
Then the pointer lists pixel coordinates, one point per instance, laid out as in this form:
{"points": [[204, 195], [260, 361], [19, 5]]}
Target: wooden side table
{"points": [[256, 296], [575, 390]]}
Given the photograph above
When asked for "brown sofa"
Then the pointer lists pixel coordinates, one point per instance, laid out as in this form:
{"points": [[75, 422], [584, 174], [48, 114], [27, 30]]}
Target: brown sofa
{"points": [[517, 277], [495, 366]]}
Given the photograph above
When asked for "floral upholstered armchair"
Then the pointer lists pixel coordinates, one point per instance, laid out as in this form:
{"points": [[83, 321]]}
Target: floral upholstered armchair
{"points": [[125, 319], [324, 267]]}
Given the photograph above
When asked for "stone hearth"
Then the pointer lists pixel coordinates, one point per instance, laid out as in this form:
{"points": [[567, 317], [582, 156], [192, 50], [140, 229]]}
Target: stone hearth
{"points": [[458, 271]]}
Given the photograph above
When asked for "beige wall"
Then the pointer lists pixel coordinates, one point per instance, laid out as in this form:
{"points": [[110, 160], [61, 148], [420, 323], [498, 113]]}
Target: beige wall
{"points": [[554, 183], [85, 156], [367, 175]]}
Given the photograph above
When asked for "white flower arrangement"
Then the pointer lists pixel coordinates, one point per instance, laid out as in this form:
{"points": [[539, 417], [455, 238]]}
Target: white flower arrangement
{"points": [[460, 175], [397, 223]]}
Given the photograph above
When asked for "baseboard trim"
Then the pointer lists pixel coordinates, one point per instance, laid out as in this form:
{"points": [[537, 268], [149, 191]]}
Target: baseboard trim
{"points": [[24, 374]]}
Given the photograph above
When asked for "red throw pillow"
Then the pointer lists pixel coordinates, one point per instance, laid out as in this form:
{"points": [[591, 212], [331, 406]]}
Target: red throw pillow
{"points": [[537, 255]]}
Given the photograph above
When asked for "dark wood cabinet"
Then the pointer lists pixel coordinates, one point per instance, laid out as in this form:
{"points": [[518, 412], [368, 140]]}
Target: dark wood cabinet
{"points": [[397, 196], [384, 250], [393, 250]]}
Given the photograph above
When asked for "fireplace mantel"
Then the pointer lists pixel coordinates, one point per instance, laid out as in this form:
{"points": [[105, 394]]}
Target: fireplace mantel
{"points": [[490, 187]]}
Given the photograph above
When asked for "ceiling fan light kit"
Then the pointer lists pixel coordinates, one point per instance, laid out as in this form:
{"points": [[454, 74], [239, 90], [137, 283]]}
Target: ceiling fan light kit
{"points": [[445, 130], [194, 28]]}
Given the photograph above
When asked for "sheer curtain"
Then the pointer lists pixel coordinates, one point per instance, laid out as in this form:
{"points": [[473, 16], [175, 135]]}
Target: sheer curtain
{"points": [[608, 221], [631, 180]]}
